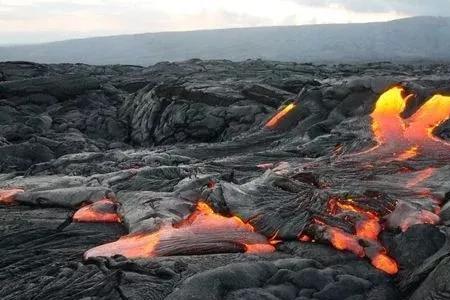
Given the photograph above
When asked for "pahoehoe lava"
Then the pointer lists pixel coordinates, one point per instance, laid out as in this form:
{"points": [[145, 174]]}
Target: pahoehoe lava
{"points": [[224, 180]]}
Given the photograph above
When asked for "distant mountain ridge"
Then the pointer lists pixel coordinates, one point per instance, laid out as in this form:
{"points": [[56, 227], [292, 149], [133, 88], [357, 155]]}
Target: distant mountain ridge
{"points": [[404, 40]]}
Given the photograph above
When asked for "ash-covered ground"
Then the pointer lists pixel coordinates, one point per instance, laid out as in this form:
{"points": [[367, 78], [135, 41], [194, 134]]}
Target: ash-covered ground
{"points": [[224, 180]]}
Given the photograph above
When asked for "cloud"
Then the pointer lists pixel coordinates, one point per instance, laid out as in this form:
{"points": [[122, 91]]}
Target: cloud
{"points": [[408, 7], [36, 20]]}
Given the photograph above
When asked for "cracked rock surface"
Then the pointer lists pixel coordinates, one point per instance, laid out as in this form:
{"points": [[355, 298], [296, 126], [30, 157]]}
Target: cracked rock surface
{"points": [[155, 141]]}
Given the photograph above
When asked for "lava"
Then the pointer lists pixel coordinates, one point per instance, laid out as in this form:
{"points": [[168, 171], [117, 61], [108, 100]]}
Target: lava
{"points": [[387, 125], [383, 262], [414, 132], [8, 197], [103, 211], [203, 231], [420, 176], [412, 152], [345, 241], [430, 115], [274, 121], [368, 229]]}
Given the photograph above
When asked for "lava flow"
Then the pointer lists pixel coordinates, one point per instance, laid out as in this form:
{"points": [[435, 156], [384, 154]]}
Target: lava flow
{"points": [[387, 124], [103, 211], [401, 140], [275, 120], [364, 242], [408, 136], [8, 197], [202, 232]]}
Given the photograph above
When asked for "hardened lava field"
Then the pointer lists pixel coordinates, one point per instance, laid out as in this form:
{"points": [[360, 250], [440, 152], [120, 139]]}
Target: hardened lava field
{"points": [[222, 180]]}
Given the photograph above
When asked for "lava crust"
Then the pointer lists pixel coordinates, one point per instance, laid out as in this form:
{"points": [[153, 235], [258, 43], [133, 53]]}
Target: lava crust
{"points": [[223, 180]]}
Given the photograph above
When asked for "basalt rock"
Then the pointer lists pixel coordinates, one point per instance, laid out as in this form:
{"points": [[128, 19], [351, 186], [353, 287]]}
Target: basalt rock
{"points": [[224, 180]]}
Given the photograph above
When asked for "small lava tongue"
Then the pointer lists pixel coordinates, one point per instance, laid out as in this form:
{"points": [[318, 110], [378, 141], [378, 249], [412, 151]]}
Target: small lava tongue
{"points": [[103, 211], [9, 196], [204, 231]]}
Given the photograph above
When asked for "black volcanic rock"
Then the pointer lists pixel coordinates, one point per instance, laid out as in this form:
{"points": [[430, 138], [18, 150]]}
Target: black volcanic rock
{"points": [[155, 141]]}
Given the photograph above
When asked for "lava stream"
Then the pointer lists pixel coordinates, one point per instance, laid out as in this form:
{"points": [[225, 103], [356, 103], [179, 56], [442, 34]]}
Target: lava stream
{"points": [[364, 243], [204, 231], [275, 120], [103, 211], [409, 136]]}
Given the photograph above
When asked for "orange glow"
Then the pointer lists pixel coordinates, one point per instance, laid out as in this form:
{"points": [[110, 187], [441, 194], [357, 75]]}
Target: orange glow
{"points": [[336, 205], [8, 197], [387, 124], [409, 153], [420, 177], [368, 229], [203, 225], [345, 241], [259, 248], [304, 238], [389, 127], [383, 262], [273, 122], [432, 113], [103, 211], [419, 217]]}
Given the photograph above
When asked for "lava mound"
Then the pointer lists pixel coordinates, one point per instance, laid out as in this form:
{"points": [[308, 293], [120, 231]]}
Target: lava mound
{"points": [[222, 180]]}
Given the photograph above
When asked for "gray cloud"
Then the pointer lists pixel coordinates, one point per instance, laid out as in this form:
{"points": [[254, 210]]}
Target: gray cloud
{"points": [[409, 7]]}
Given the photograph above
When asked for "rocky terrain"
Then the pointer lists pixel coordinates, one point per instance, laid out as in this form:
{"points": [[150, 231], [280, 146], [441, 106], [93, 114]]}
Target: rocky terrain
{"points": [[224, 180]]}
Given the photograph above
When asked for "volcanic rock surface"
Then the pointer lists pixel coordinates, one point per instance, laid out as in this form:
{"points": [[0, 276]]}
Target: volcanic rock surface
{"points": [[224, 180]]}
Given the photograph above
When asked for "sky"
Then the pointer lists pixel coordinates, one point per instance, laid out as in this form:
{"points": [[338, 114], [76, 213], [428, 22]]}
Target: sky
{"points": [[36, 21]]}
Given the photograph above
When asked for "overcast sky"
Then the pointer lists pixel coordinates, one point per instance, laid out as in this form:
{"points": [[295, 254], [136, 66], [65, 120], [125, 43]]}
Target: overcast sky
{"points": [[31, 21]]}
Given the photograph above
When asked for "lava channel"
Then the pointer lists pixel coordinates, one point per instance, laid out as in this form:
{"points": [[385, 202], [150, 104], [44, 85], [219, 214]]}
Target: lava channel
{"points": [[275, 120], [203, 232], [103, 211]]}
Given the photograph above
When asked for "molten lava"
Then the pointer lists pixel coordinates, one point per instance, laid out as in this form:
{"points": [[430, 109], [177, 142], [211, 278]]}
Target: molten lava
{"points": [[202, 232], [345, 241], [103, 211], [430, 115], [387, 124], [383, 262], [367, 228], [414, 132], [8, 197], [409, 153], [275, 120]]}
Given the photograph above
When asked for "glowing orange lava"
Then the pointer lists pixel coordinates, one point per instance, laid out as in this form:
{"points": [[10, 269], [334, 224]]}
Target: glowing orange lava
{"points": [[383, 262], [8, 197], [408, 154], [416, 131], [430, 115], [387, 124], [202, 231], [345, 241], [420, 177], [273, 122], [368, 229], [103, 211]]}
